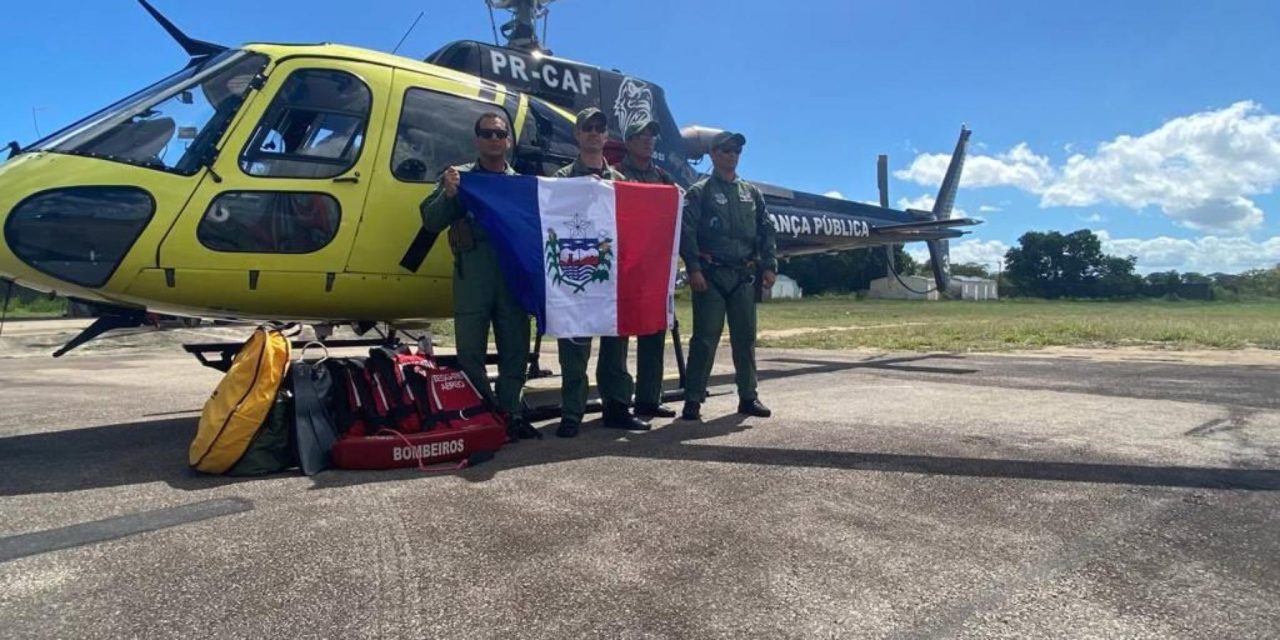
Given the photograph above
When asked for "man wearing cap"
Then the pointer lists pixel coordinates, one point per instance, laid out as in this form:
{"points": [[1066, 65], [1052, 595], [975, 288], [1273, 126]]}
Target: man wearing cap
{"points": [[638, 166], [612, 378], [726, 236], [480, 295]]}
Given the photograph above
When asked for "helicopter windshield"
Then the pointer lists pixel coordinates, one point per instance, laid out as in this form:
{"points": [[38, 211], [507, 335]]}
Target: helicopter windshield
{"points": [[170, 125]]}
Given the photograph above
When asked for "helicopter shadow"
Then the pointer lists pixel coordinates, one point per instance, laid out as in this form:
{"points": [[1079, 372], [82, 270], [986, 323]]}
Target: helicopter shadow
{"points": [[155, 451]]}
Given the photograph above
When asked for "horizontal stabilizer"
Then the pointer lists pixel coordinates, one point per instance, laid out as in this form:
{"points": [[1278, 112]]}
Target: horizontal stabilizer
{"points": [[925, 225]]}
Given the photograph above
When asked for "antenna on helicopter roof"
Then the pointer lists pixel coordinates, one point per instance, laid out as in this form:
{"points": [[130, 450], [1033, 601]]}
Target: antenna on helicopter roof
{"points": [[197, 49], [521, 32], [411, 28]]}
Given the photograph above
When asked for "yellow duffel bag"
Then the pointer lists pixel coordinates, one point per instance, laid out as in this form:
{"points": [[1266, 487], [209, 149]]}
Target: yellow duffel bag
{"points": [[239, 406]]}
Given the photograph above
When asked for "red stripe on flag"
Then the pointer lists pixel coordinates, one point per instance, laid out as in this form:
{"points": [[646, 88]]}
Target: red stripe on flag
{"points": [[646, 217]]}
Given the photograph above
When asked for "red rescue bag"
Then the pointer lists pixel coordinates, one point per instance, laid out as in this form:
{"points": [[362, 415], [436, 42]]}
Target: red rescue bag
{"points": [[451, 420]]}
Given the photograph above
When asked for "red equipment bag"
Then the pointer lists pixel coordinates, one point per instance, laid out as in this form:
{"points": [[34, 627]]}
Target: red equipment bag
{"points": [[451, 420]]}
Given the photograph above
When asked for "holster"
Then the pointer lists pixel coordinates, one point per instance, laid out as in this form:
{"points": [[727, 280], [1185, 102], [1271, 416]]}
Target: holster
{"points": [[461, 236]]}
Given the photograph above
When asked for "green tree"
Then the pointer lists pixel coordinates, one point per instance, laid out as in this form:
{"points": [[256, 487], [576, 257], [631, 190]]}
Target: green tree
{"points": [[1053, 265], [971, 269], [1117, 279], [1260, 283]]}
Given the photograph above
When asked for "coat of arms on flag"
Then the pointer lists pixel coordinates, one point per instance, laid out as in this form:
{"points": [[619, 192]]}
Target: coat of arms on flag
{"points": [[586, 257], [580, 259]]}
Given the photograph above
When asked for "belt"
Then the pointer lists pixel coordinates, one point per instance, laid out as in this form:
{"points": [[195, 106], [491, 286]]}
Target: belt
{"points": [[745, 265]]}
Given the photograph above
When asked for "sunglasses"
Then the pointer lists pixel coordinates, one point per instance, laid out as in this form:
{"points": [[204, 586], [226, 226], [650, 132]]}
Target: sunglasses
{"points": [[729, 150], [487, 134], [593, 128]]}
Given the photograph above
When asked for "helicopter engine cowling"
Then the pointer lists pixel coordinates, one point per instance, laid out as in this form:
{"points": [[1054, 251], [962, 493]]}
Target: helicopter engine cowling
{"points": [[697, 140]]}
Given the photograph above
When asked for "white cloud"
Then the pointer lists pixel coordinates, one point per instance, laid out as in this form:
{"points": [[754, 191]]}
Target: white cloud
{"points": [[1209, 254], [1018, 167], [925, 203], [987, 253], [1199, 170], [987, 208], [834, 194], [1094, 217]]}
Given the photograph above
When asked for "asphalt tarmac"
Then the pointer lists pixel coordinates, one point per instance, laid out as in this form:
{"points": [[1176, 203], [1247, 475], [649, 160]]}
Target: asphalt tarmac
{"points": [[890, 496]]}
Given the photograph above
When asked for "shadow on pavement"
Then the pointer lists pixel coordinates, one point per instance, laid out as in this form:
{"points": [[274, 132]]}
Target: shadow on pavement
{"points": [[137, 453]]}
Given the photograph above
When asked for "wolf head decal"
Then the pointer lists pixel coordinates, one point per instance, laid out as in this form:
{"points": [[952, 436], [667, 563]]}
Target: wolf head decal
{"points": [[634, 103]]}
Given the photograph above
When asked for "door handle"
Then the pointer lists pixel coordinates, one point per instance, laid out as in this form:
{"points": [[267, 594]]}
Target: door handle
{"points": [[354, 178]]}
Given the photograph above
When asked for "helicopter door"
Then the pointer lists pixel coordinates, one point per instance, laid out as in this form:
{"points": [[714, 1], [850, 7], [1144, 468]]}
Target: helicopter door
{"points": [[428, 129], [271, 226]]}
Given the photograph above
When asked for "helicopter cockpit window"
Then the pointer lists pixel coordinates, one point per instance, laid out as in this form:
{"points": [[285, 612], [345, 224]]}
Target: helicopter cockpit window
{"points": [[314, 127], [547, 141], [269, 222], [170, 125], [435, 132], [79, 234]]}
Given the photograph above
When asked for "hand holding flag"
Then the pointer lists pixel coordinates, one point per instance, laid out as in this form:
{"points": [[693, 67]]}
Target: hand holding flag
{"points": [[586, 257]]}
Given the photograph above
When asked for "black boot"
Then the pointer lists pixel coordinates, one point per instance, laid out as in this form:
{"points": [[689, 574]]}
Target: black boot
{"points": [[618, 416], [754, 408], [652, 410], [692, 411], [568, 429], [519, 429]]}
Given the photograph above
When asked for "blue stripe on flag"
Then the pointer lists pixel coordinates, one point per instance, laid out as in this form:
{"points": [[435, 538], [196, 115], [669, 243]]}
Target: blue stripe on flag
{"points": [[507, 208]]}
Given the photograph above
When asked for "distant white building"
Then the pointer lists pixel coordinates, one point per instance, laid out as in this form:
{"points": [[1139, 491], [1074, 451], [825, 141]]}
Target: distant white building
{"points": [[785, 288], [889, 288], [972, 288]]}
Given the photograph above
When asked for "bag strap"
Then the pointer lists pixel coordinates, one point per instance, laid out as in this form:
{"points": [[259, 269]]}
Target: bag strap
{"points": [[287, 329], [302, 355]]}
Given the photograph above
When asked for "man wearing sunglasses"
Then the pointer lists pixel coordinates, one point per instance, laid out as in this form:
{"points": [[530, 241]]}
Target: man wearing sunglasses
{"points": [[641, 138], [726, 236], [480, 295], [612, 378]]}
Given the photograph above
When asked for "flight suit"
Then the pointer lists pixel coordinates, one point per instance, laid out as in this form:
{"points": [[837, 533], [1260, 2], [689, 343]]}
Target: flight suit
{"points": [[481, 297], [650, 349], [726, 234], [612, 378]]}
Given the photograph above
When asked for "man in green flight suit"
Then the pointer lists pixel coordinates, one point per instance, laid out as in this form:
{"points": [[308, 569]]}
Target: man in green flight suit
{"points": [[480, 295], [614, 382], [726, 236], [638, 166]]}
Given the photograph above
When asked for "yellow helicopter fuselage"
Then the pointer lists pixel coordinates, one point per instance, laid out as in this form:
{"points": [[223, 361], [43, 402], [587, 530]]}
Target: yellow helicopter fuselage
{"points": [[303, 205]]}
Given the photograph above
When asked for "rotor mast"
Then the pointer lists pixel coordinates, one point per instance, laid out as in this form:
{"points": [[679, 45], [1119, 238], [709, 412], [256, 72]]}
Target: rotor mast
{"points": [[521, 31]]}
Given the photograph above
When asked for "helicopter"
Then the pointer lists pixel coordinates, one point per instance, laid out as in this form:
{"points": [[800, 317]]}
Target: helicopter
{"points": [[276, 181]]}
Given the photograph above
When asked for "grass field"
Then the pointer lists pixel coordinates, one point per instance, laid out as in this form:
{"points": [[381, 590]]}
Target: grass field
{"points": [[844, 322], [37, 308]]}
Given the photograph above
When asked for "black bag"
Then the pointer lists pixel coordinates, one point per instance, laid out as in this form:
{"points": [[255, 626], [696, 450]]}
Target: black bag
{"points": [[272, 447], [313, 426]]}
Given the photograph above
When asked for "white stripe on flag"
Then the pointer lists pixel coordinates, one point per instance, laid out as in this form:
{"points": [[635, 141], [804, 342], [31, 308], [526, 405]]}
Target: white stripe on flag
{"points": [[581, 267], [675, 261]]}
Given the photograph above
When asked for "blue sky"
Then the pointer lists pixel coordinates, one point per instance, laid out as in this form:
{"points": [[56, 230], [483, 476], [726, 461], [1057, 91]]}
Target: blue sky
{"points": [[1155, 123]]}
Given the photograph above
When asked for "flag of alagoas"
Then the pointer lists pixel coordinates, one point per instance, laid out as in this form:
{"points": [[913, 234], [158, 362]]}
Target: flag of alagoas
{"points": [[586, 257]]}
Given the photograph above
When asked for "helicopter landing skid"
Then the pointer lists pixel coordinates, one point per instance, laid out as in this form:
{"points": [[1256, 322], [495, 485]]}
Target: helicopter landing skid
{"points": [[218, 355]]}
